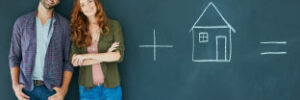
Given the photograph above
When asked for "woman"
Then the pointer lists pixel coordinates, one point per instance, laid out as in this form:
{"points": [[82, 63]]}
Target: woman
{"points": [[97, 47]]}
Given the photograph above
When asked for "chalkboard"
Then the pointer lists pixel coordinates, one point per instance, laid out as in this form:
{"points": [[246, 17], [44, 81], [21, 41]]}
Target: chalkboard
{"points": [[192, 49]]}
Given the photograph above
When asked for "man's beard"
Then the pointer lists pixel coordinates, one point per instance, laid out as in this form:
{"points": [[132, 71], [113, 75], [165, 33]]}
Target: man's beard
{"points": [[47, 6]]}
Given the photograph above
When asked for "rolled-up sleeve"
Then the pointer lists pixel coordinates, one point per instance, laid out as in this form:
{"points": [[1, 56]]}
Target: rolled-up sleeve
{"points": [[67, 64], [118, 37], [15, 51]]}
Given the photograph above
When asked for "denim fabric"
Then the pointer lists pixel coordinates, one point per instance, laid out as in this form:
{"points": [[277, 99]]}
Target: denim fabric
{"points": [[39, 93], [100, 93]]}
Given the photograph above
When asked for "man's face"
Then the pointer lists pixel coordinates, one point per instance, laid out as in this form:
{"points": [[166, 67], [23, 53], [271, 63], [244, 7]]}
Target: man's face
{"points": [[49, 4]]}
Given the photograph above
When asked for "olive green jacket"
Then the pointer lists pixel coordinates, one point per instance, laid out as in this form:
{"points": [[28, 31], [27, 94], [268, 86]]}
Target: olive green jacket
{"points": [[110, 69]]}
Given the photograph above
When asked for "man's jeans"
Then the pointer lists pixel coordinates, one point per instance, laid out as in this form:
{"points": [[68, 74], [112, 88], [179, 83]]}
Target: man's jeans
{"points": [[39, 93], [100, 93]]}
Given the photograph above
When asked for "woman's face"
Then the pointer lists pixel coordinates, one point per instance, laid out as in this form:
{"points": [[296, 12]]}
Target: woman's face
{"points": [[88, 7]]}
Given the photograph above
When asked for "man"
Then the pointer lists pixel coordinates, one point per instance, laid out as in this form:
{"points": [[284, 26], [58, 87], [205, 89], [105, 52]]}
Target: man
{"points": [[39, 54]]}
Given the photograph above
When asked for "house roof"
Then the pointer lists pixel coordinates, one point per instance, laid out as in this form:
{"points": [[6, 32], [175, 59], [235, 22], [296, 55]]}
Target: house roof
{"points": [[220, 16]]}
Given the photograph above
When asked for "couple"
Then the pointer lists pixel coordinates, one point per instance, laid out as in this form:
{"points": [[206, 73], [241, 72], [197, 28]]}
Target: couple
{"points": [[45, 47]]}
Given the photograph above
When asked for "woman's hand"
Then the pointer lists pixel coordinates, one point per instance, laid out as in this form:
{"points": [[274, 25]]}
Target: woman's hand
{"points": [[113, 47], [77, 60]]}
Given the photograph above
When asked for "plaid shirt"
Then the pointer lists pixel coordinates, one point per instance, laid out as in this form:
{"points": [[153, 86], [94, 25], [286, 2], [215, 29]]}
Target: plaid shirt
{"points": [[23, 50]]}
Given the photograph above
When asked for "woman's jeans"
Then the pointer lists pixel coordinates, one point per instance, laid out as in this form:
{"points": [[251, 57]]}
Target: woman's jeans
{"points": [[100, 93]]}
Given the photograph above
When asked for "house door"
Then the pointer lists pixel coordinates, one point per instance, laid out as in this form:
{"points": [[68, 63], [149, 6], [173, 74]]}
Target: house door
{"points": [[221, 51]]}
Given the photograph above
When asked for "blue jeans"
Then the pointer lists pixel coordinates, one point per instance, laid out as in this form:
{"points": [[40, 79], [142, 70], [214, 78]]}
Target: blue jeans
{"points": [[39, 93], [100, 93]]}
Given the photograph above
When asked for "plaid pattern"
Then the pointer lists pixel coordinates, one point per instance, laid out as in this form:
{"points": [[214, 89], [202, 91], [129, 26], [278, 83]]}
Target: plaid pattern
{"points": [[23, 50]]}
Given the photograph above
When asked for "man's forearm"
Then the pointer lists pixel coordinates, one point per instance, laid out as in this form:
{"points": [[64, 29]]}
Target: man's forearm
{"points": [[14, 72], [66, 79]]}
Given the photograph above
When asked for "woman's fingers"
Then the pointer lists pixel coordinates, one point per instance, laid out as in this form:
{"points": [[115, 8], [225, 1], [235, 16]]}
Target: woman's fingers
{"points": [[117, 44], [74, 59], [112, 49], [80, 61], [77, 61], [113, 46]]}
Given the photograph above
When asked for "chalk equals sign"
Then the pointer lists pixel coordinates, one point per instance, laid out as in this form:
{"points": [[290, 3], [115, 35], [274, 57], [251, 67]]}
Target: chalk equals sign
{"points": [[274, 43]]}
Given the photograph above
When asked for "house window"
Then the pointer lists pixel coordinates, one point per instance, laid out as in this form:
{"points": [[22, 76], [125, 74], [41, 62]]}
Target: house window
{"points": [[203, 37]]}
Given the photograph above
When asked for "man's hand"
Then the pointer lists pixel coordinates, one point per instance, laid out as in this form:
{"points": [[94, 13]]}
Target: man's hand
{"points": [[19, 93], [59, 95]]}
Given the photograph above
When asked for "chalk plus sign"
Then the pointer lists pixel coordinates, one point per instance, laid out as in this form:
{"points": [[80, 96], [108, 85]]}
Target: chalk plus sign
{"points": [[155, 46]]}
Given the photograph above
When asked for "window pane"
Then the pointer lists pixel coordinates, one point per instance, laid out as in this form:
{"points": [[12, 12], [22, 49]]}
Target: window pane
{"points": [[203, 37]]}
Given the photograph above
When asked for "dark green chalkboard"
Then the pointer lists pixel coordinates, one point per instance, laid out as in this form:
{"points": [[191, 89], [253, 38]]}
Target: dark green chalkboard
{"points": [[237, 50]]}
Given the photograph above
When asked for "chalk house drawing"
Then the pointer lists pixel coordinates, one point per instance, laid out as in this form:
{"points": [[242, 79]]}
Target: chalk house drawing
{"points": [[212, 43]]}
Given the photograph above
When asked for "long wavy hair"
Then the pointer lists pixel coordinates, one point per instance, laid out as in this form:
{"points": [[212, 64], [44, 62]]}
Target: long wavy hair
{"points": [[80, 35]]}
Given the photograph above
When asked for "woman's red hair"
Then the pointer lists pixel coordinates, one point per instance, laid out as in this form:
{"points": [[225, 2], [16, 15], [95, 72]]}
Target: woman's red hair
{"points": [[79, 24]]}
